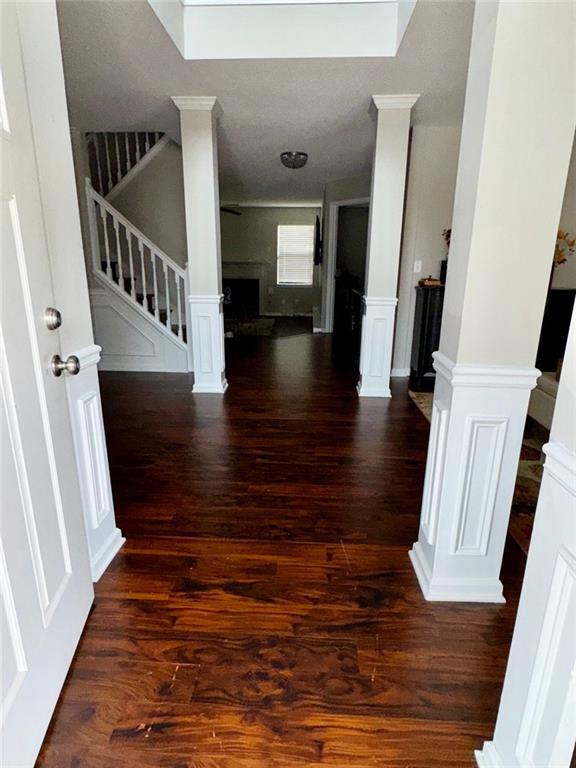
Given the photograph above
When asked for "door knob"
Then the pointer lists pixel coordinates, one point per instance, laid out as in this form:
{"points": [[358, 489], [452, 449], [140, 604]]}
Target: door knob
{"points": [[71, 365], [52, 318]]}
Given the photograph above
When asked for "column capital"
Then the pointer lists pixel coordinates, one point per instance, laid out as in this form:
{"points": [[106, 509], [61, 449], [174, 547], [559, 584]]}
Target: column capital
{"points": [[393, 101], [198, 104]]}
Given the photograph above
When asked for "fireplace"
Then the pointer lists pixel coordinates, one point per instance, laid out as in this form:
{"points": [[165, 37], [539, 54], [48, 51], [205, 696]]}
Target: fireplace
{"points": [[241, 298]]}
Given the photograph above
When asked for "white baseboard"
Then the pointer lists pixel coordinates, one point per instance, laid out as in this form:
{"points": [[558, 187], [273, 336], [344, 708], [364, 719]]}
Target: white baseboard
{"points": [[400, 373], [488, 757], [106, 554], [460, 590]]}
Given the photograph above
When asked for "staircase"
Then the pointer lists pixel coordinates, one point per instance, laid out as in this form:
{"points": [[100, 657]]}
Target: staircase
{"points": [[114, 158], [124, 260]]}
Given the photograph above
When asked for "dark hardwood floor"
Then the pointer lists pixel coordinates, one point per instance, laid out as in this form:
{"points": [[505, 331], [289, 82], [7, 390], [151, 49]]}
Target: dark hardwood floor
{"points": [[263, 612]]}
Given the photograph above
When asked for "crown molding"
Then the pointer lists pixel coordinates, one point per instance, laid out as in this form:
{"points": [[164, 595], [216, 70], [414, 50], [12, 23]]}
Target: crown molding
{"points": [[198, 104], [394, 101]]}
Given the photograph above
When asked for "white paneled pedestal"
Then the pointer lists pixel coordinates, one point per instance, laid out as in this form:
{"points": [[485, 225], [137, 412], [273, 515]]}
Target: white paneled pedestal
{"points": [[376, 347], [104, 538], [536, 723], [207, 319], [475, 439]]}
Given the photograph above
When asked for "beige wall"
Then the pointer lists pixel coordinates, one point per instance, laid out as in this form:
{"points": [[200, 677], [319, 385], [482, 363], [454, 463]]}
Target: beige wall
{"points": [[565, 274], [251, 239], [154, 202], [429, 204]]}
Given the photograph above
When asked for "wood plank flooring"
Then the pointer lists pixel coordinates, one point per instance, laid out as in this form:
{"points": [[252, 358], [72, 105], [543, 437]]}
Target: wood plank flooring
{"points": [[263, 612]]}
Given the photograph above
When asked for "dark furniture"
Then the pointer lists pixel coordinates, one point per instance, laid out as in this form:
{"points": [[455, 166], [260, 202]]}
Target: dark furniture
{"points": [[426, 337], [347, 315], [555, 327], [241, 298]]}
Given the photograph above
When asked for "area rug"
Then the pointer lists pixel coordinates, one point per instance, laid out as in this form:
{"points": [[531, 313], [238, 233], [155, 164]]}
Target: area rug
{"points": [[260, 326], [528, 478]]}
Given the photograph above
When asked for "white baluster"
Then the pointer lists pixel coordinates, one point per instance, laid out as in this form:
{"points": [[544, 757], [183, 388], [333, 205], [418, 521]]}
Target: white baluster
{"points": [[146, 142], [143, 268], [137, 139], [179, 303], [96, 145], [104, 216], [119, 254], [131, 265], [167, 288], [127, 148], [108, 165], [155, 282], [93, 227], [118, 166]]}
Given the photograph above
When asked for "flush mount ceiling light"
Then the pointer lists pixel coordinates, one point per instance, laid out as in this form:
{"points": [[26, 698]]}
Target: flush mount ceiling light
{"points": [[294, 159]]}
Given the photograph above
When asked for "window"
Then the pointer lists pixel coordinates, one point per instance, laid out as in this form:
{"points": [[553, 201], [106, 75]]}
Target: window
{"points": [[295, 254]]}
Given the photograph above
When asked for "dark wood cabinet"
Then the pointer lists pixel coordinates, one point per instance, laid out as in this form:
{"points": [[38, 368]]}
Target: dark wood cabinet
{"points": [[426, 336]]}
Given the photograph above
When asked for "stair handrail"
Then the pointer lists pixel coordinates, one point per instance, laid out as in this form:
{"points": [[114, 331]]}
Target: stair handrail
{"points": [[115, 213]]}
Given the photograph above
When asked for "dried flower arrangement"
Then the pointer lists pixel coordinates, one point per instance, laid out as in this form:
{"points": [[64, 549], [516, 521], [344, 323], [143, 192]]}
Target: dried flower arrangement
{"points": [[564, 247]]}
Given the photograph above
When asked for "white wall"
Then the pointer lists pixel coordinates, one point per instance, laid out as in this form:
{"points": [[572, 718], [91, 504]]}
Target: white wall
{"points": [[154, 202], [565, 274], [429, 203]]}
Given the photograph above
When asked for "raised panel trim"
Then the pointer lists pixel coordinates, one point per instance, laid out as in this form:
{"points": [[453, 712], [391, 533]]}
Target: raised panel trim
{"points": [[39, 376], [15, 636], [378, 337], [557, 613], [93, 457], [205, 343], [23, 483], [474, 424], [434, 471]]}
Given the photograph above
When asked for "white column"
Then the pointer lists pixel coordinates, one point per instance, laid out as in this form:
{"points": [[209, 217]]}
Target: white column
{"points": [[514, 155], [384, 238], [198, 121], [536, 723]]}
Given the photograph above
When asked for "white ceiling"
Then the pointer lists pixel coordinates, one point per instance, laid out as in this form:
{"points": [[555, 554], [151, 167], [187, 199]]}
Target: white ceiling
{"points": [[121, 69]]}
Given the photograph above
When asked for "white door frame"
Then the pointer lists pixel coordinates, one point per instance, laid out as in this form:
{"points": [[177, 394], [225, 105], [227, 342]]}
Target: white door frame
{"points": [[332, 245]]}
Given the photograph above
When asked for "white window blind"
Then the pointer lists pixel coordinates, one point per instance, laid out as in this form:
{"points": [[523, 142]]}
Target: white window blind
{"points": [[295, 254]]}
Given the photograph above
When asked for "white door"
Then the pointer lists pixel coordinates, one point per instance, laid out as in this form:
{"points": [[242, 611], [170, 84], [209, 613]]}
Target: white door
{"points": [[45, 583]]}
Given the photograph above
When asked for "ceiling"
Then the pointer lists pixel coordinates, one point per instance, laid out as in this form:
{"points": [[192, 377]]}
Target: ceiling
{"points": [[121, 69]]}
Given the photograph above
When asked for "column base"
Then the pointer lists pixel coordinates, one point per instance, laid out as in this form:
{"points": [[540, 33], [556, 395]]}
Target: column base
{"points": [[218, 389], [488, 757], [376, 347], [207, 344], [106, 554], [457, 590], [364, 391], [478, 417]]}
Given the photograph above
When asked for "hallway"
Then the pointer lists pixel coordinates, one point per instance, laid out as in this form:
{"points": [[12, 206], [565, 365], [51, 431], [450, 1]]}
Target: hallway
{"points": [[264, 611]]}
